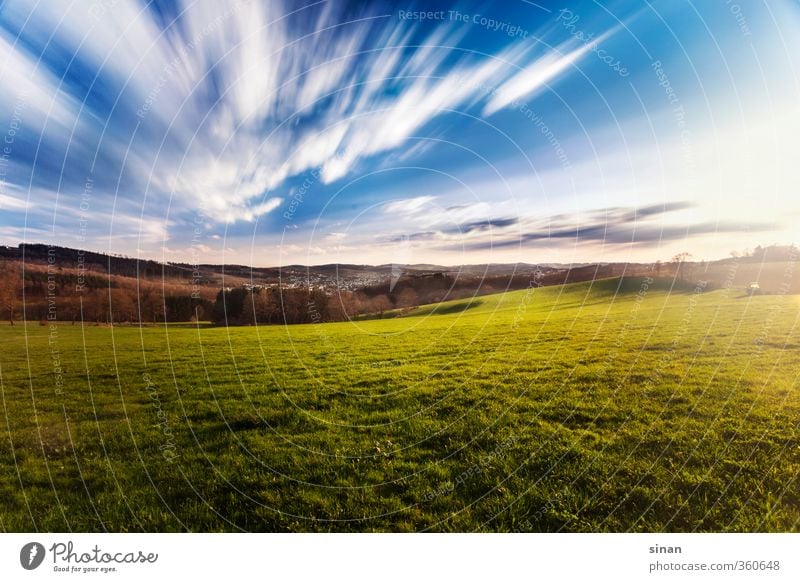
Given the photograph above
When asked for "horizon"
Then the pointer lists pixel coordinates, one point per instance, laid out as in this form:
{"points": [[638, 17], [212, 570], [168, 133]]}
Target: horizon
{"points": [[691, 259], [469, 134]]}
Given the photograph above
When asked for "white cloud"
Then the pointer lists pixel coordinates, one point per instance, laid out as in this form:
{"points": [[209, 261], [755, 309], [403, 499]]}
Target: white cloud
{"points": [[241, 93], [29, 96], [261, 209], [536, 75], [408, 206], [12, 203]]}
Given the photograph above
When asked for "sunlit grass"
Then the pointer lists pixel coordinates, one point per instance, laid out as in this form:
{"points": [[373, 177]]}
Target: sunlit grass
{"points": [[610, 406]]}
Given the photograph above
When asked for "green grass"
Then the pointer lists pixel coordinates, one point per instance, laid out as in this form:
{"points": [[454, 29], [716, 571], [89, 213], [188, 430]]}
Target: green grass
{"points": [[589, 407]]}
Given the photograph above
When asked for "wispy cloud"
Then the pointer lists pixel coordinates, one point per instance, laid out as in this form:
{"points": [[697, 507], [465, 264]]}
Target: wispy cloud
{"points": [[240, 99], [408, 206], [536, 75], [12, 203], [643, 226]]}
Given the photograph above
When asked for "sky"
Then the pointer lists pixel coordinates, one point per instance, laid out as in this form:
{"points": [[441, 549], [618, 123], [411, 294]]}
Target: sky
{"points": [[270, 133]]}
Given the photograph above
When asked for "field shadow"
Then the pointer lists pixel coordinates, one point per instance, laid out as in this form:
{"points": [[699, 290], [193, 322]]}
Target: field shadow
{"points": [[630, 285], [456, 308]]}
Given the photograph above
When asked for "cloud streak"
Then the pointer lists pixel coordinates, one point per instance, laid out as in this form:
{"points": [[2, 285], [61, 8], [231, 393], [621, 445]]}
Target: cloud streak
{"points": [[535, 76], [608, 226], [229, 105]]}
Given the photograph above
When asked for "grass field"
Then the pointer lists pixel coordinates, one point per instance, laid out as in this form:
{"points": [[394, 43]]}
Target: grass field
{"points": [[612, 406]]}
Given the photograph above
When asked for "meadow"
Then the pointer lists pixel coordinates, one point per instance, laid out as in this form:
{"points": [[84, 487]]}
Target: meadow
{"points": [[618, 405]]}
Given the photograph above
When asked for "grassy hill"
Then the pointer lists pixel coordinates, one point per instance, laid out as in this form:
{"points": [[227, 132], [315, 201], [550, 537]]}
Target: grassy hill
{"points": [[622, 404]]}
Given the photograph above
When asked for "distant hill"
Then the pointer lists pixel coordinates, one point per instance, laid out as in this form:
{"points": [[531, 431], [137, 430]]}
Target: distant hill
{"points": [[70, 258], [42, 281]]}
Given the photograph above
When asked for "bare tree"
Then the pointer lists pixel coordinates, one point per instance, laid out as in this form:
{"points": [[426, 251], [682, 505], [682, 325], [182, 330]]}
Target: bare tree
{"points": [[407, 298], [9, 282], [677, 261], [380, 304]]}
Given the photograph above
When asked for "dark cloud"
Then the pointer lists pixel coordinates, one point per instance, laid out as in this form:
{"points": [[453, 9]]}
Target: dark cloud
{"points": [[619, 214], [399, 238], [656, 209], [482, 225], [609, 233], [615, 225], [612, 225], [487, 224]]}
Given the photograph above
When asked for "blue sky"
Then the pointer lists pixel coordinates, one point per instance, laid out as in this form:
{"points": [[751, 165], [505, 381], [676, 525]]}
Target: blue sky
{"points": [[267, 133]]}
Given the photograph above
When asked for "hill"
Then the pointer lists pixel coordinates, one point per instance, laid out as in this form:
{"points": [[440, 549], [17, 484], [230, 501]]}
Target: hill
{"points": [[42, 282]]}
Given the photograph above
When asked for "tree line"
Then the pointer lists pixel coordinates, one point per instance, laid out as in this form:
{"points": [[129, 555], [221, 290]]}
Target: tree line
{"points": [[42, 294], [42, 291]]}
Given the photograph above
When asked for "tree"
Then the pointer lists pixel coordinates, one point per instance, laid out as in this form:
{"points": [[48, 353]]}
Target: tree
{"points": [[380, 304], [9, 281], [266, 306], [123, 304], [677, 262], [407, 298], [229, 305], [296, 306], [98, 300], [151, 306]]}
